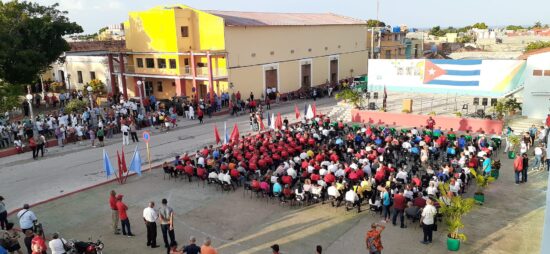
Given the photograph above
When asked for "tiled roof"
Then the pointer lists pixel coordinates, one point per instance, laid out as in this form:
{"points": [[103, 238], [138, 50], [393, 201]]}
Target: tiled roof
{"points": [[533, 52], [237, 18], [113, 45]]}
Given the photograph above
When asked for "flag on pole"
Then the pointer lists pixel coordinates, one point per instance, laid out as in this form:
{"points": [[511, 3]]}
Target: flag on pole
{"points": [[119, 177], [272, 125], [309, 113], [296, 111], [261, 121], [385, 97], [305, 109], [124, 168], [235, 134], [135, 165], [217, 134], [225, 135], [314, 109], [109, 170], [279, 121], [268, 121]]}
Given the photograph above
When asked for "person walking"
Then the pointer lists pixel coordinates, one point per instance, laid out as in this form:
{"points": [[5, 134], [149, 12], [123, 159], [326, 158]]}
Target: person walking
{"points": [[101, 136], [166, 216], [27, 218], [373, 239], [150, 217], [525, 167], [399, 203], [124, 221], [3, 214], [92, 135], [125, 134], [200, 115], [34, 147], [114, 212], [133, 132], [40, 144], [427, 221]]}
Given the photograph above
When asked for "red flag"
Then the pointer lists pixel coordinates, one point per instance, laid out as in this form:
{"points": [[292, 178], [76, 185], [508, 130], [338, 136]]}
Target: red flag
{"points": [[296, 111], [235, 134], [124, 168], [217, 134], [262, 126], [314, 109], [119, 177], [279, 121]]}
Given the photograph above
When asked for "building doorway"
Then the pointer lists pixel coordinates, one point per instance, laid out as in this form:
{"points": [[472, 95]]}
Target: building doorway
{"points": [[271, 79], [148, 88], [306, 76], [333, 70]]}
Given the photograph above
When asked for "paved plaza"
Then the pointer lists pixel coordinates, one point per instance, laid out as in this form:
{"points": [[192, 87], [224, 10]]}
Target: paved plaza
{"points": [[509, 222]]}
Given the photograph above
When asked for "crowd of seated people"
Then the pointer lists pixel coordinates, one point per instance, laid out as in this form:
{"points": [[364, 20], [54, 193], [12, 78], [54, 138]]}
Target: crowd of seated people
{"points": [[378, 167]]}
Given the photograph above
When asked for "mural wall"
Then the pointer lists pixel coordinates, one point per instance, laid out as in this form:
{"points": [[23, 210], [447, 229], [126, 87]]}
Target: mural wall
{"points": [[489, 78]]}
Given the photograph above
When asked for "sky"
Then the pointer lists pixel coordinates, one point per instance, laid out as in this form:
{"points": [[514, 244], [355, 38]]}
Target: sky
{"points": [[94, 14]]}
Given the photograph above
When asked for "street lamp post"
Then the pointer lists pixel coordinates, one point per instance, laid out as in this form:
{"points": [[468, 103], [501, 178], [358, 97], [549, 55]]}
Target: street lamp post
{"points": [[90, 89], [139, 83], [29, 100], [69, 82]]}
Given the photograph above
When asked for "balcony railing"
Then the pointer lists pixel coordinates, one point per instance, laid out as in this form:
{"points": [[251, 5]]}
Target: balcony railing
{"points": [[203, 71]]}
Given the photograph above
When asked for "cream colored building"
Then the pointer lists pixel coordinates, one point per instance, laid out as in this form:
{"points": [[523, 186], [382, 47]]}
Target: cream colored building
{"points": [[77, 70], [198, 53]]}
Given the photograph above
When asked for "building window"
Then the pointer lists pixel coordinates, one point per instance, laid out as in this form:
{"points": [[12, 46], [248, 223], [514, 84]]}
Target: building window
{"points": [[161, 63], [399, 51], [159, 86], [186, 61], [139, 62], [172, 63], [253, 55], [547, 73], [396, 37], [150, 62], [292, 51], [92, 75], [309, 50], [537, 72], [184, 31], [202, 65], [79, 74], [388, 54], [272, 53]]}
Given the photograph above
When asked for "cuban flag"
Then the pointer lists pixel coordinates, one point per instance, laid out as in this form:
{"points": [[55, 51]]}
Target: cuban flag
{"points": [[447, 72]]}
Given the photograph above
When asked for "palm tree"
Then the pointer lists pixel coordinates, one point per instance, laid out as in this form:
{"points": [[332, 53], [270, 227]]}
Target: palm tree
{"points": [[350, 96]]}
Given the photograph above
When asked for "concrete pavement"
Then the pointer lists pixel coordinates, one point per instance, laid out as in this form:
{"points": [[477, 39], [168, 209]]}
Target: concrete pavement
{"points": [[509, 222]]}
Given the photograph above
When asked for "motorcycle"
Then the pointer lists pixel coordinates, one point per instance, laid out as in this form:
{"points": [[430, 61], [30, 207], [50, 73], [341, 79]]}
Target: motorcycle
{"points": [[81, 247]]}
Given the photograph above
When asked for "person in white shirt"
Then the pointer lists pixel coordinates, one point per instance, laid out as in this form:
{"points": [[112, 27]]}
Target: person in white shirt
{"points": [[427, 220], [335, 194], [150, 217], [291, 172], [538, 158], [57, 245], [125, 134], [402, 175], [352, 197], [432, 189], [27, 218]]}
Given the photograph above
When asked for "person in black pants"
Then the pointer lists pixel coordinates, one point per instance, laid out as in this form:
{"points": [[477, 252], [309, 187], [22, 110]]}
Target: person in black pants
{"points": [[167, 223], [3, 214], [150, 217]]}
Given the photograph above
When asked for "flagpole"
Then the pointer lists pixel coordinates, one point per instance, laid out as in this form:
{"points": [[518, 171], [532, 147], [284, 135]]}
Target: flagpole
{"points": [[148, 155]]}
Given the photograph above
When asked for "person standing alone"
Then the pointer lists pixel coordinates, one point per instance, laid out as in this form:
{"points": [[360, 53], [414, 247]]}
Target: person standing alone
{"points": [[114, 212], [125, 134], [427, 221], [374, 239], [166, 216]]}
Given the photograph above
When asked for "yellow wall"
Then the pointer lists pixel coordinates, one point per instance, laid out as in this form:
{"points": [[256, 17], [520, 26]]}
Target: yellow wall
{"points": [[242, 42], [152, 30]]}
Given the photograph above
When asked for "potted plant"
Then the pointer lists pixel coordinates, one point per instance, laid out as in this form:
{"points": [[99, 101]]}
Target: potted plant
{"points": [[514, 140], [458, 114], [482, 183], [499, 109], [512, 105], [453, 208], [350, 96]]}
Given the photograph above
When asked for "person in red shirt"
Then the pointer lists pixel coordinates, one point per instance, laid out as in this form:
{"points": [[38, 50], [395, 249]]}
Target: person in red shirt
{"points": [[399, 203], [38, 245], [419, 201], [114, 212], [124, 221]]}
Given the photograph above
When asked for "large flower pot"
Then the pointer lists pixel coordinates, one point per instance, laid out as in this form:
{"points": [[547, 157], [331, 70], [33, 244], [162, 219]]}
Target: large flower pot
{"points": [[479, 198], [511, 155], [453, 244]]}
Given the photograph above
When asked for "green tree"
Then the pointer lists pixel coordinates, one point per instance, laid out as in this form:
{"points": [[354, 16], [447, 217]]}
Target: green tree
{"points": [[351, 96], [436, 31], [375, 23], [32, 38], [481, 25], [9, 96], [537, 45], [538, 24], [514, 27]]}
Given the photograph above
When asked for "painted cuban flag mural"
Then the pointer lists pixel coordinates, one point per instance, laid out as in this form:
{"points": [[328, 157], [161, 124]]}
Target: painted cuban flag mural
{"points": [[452, 72], [446, 76]]}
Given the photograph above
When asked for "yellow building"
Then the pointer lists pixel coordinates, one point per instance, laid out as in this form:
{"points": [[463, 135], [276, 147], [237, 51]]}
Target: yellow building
{"points": [[391, 44], [182, 51]]}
